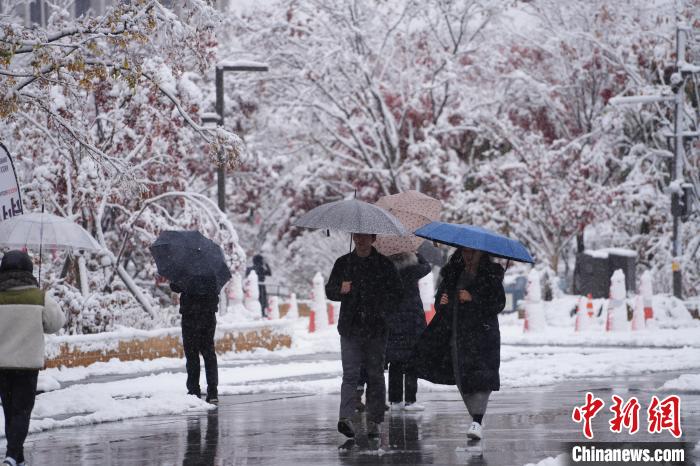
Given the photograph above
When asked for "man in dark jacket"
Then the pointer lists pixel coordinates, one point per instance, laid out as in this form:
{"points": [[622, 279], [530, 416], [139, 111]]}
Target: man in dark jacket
{"points": [[367, 284], [198, 328]]}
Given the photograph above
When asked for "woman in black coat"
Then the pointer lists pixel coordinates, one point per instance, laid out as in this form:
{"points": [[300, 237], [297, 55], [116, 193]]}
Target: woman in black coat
{"points": [[462, 344], [406, 323]]}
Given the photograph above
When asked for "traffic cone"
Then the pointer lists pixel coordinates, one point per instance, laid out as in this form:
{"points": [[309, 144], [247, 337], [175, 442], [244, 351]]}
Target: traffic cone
{"points": [[312, 321], [430, 313], [526, 326], [330, 312], [609, 320], [589, 306], [646, 290]]}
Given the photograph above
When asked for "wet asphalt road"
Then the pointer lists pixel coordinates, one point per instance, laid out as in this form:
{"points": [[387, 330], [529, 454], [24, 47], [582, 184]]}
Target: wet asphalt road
{"points": [[521, 426]]}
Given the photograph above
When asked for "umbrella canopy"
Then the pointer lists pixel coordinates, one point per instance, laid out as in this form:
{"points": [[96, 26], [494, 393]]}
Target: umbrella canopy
{"points": [[413, 209], [352, 216], [191, 261], [37, 230], [469, 236], [435, 256]]}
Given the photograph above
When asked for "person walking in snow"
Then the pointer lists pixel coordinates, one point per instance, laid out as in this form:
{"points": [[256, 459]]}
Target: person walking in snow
{"points": [[406, 324], [26, 313], [367, 285], [198, 328], [262, 270], [462, 344]]}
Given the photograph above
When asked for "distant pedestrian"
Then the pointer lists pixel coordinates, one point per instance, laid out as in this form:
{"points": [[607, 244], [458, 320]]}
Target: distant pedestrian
{"points": [[262, 270], [406, 324], [198, 328], [462, 344], [367, 285], [26, 313]]}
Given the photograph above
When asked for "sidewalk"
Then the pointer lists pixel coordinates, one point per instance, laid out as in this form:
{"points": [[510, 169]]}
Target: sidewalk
{"points": [[521, 426]]}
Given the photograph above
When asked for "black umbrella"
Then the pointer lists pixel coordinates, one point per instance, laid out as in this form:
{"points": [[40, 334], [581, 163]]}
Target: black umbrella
{"points": [[436, 256], [191, 261]]}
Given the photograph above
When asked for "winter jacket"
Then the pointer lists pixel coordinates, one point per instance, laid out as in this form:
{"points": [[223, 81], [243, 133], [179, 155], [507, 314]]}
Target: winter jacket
{"points": [[376, 287], [26, 313], [478, 338], [407, 321], [196, 304]]}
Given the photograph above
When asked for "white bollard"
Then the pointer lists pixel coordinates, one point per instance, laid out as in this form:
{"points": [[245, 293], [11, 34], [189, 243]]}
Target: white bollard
{"points": [[252, 294], [318, 303], [617, 309], [426, 288], [638, 314], [273, 308], [534, 310], [236, 309], [293, 311]]}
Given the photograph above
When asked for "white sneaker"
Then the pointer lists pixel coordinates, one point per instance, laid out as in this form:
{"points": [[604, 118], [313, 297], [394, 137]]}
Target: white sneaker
{"points": [[475, 431], [413, 407], [396, 406], [9, 462]]}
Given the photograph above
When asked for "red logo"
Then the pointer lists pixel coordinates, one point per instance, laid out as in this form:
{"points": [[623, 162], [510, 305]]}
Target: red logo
{"points": [[665, 415], [587, 412]]}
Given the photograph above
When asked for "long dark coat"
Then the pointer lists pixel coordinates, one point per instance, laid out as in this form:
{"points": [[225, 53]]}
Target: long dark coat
{"points": [[407, 321], [478, 337], [376, 285], [195, 305]]}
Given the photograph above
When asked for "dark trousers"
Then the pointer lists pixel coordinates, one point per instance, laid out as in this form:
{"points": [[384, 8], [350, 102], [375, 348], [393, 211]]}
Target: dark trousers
{"points": [[198, 338], [397, 377], [357, 352], [17, 392]]}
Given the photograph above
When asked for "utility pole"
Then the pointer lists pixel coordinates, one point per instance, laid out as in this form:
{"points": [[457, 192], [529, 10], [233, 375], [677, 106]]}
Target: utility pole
{"points": [[221, 68], [678, 155], [679, 136]]}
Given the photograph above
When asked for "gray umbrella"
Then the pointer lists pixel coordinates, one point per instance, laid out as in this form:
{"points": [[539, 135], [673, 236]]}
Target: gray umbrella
{"points": [[352, 216]]}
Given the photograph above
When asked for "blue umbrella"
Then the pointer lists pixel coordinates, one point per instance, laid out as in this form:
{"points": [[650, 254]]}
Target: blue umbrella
{"points": [[472, 237], [191, 261]]}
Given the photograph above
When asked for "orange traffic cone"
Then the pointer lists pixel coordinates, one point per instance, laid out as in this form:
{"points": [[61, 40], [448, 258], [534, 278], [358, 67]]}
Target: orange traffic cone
{"points": [[648, 310], [430, 313], [312, 321], [526, 327], [609, 320], [589, 306], [329, 309]]}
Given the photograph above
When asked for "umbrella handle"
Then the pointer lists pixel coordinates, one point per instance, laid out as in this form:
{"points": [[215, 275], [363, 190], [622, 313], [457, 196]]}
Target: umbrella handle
{"points": [[41, 240]]}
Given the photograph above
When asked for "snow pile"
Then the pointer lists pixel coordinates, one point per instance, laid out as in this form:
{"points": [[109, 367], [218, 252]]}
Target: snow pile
{"points": [[560, 460], [684, 383]]}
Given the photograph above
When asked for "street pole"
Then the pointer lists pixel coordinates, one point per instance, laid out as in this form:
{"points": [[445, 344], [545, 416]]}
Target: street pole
{"points": [[678, 155], [220, 69]]}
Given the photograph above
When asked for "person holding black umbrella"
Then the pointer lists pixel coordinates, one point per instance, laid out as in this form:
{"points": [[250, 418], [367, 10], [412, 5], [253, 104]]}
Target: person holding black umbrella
{"points": [[462, 344], [197, 269], [198, 324]]}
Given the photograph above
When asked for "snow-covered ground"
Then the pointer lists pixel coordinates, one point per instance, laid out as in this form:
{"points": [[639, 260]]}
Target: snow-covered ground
{"points": [[312, 365]]}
